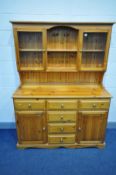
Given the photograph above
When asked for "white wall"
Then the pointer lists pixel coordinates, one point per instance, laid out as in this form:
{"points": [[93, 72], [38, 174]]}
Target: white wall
{"points": [[61, 10]]}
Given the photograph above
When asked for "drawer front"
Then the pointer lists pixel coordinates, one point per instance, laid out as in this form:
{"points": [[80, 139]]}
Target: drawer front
{"points": [[61, 128], [94, 104], [61, 139], [29, 105], [68, 116], [62, 104]]}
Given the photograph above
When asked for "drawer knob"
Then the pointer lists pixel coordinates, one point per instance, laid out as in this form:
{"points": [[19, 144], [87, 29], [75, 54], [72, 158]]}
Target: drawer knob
{"points": [[102, 104], [61, 140], [29, 105], [94, 105], [61, 129], [62, 105], [19, 104], [61, 117]]}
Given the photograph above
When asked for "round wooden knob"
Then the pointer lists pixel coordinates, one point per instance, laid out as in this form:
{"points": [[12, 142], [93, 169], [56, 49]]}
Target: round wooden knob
{"points": [[62, 129], [61, 117], [61, 140], [102, 104], [62, 105], [44, 128], [79, 129], [29, 105], [94, 105]]}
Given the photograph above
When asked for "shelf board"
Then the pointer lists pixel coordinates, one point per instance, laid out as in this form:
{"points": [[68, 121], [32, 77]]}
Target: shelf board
{"points": [[61, 69], [31, 68], [62, 50], [31, 50], [92, 69], [93, 50]]}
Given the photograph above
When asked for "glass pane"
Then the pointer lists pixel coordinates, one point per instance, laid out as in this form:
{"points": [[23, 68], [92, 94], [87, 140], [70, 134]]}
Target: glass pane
{"points": [[30, 40], [94, 41], [92, 59], [31, 59]]}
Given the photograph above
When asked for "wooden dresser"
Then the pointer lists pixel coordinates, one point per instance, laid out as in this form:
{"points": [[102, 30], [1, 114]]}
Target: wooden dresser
{"points": [[61, 101]]}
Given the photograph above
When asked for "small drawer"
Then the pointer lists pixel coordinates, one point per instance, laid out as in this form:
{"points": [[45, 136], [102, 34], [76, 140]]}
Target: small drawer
{"points": [[56, 116], [94, 104], [61, 139], [62, 104], [61, 128], [27, 104]]}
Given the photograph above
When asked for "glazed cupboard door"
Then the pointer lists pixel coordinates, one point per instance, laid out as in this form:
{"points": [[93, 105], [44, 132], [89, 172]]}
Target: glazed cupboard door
{"points": [[31, 127], [30, 49], [91, 126], [94, 49]]}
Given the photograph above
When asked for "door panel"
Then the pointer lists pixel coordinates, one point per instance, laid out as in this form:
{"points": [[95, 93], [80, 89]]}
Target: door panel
{"points": [[91, 126], [31, 126]]}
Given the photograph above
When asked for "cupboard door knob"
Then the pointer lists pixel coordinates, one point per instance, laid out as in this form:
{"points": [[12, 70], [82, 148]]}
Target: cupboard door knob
{"points": [[61, 140], [79, 129], [44, 128]]}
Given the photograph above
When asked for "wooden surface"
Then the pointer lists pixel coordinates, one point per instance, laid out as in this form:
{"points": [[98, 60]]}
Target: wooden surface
{"points": [[61, 101], [59, 91], [62, 22]]}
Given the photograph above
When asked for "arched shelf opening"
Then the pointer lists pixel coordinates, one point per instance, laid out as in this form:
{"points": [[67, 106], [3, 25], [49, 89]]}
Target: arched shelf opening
{"points": [[62, 38], [62, 44]]}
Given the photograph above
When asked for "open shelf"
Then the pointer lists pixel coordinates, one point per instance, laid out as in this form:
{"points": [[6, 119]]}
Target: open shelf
{"points": [[61, 50], [62, 38], [61, 69], [61, 61]]}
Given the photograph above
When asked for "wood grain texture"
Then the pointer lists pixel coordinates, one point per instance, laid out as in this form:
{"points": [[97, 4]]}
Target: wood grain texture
{"points": [[61, 101]]}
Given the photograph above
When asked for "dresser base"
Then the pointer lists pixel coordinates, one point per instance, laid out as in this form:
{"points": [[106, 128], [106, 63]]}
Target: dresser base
{"points": [[82, 145]]}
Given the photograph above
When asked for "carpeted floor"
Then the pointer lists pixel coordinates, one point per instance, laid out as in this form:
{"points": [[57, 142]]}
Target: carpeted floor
{"points": [[89, 161]]}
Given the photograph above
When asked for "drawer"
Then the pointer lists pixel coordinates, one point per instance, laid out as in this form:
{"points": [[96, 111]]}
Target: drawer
{"points": [[61, 128], [61, 139], [26, 104], [94, 104], [56, 116], [62, 104]]}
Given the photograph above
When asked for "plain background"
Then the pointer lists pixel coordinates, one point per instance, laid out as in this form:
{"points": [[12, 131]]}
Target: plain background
{"points": [[49, 10]]}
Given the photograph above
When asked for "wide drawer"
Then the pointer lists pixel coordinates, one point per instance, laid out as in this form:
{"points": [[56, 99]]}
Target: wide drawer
{"points": [[56, 116], [61, 139], [62, 104], [61, 128], [94, 104], [27, 104]]}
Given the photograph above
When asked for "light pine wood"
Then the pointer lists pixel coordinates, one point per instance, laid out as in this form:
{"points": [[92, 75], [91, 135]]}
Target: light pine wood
{"points": [[61, 101], [61, 116]]}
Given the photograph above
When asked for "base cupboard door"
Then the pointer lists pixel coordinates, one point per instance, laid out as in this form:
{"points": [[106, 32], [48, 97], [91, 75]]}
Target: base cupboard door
{"points": [[91, 126], [31, 127]]}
